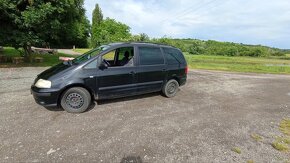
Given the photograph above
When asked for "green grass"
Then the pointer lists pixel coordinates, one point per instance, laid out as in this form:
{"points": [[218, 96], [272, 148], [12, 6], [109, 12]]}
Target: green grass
{"points": [[285, 127], [282, 143], [237, 150], [49, 59], [257, 137], [82, 51], [276, 65]]}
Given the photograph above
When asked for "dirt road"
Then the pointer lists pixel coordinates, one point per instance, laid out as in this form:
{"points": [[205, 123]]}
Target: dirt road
{"points": [[68, 51], [212, 114]]}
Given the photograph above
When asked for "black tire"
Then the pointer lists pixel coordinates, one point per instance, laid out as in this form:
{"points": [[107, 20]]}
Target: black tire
{"points": [[170, 88], [75, 100]]}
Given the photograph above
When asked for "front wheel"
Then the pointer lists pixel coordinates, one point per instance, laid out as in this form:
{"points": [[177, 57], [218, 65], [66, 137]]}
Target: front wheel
{"points": [[76, 100], [170, 88]]}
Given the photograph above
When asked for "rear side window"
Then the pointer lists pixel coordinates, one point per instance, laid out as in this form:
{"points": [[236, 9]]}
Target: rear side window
{"points": [[173, 56], [150, 56]]}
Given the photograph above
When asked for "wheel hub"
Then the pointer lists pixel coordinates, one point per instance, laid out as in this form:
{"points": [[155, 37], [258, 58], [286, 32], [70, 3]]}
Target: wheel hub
{"points": [[171, 88], [74, 100]]}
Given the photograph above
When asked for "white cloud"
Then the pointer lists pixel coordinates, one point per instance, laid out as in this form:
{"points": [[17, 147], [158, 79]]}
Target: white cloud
{"points": [[255, 21]]}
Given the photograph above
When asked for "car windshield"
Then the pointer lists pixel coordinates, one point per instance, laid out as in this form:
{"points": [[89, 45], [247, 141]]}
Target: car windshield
{"points": [[86, 56]]}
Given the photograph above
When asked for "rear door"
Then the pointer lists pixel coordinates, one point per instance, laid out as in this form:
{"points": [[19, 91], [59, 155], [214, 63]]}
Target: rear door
{"points": [[151, 70]]}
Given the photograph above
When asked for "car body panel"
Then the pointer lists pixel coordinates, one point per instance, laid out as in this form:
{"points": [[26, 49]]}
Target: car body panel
{"points": [[150, 78], [116, 82]]}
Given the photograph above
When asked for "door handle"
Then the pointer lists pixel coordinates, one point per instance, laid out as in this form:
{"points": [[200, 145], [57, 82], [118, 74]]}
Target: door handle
{"points": [[132, 72]]}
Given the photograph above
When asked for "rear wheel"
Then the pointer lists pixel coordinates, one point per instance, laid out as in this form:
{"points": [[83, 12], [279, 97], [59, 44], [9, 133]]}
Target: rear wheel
{"points": [[170, 88], [76, 100]]}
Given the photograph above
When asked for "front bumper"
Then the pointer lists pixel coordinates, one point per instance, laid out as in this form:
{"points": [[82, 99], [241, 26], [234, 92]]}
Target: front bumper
{"points": [[45, 97]]}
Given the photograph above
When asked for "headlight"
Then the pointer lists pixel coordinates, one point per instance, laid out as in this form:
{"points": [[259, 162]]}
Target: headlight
{"points": [[41, 83]]}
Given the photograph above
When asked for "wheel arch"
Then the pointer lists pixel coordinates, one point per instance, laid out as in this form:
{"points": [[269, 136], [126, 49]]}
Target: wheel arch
{"points": [[175, 78], [92, 93]]}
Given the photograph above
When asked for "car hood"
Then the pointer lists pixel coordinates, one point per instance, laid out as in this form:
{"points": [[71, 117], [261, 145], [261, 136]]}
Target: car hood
{"points": [[55, 70]]}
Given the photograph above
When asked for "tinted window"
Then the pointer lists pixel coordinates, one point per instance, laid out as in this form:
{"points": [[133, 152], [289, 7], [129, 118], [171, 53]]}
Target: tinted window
{"points": [[150, 56], [173, 56]]}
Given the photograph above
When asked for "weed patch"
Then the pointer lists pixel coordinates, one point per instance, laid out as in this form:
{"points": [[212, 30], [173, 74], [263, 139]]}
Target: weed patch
{"points": [[237, 150], [257, 137]]}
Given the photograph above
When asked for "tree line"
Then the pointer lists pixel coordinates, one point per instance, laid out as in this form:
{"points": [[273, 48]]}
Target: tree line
{"points": [[52, 23], [109, 30], [210, 47]]}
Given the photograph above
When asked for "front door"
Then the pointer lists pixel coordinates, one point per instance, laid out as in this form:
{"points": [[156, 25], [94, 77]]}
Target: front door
{"points": [[119, 77]]}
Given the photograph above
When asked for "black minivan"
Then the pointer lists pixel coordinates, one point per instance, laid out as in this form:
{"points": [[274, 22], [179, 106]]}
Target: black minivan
{"points": [[111, 71]]}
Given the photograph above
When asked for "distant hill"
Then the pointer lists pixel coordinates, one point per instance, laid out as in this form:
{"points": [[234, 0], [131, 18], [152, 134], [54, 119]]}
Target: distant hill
{"points": [[210, 47], [287, 51]]}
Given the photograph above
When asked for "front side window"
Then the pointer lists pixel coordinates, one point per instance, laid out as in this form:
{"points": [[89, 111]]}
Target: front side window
{"points": [[86, 56], [150, 56], [119, 57]]}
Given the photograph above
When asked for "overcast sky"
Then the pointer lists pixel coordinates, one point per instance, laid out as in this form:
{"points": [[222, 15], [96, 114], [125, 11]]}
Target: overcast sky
{"points": [[242, 21]]}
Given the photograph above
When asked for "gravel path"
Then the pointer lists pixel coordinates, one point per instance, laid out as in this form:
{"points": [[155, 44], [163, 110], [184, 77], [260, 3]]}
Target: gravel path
{"points": [[68, 51], [213, 113]]}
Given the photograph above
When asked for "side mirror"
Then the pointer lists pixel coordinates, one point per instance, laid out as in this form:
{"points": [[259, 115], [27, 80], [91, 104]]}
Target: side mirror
{"points": [[103, 66]]}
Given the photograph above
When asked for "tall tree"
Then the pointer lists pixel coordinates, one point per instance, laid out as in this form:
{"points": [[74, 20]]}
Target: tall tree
{"points": [[144, 37], [97, 15], [96, 21], [111, 31], [43, 22]]}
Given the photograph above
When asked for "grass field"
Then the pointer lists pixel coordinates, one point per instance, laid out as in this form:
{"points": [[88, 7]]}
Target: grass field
{"points": [[275, 65], [240, 64], [48, 59]]}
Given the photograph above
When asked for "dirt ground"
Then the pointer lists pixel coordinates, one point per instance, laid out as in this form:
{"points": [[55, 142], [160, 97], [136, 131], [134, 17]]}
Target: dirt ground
{"points": [[212, 114]]}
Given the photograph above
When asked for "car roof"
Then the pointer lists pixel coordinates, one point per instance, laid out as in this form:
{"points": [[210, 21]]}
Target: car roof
{"points": [[141, 43]]}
